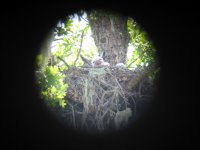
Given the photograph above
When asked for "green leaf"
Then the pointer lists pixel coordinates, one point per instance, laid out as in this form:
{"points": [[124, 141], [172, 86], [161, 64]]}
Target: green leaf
{"points": [[62, 104]]}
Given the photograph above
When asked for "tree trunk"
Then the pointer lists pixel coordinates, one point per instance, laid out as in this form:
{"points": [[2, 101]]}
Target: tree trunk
{"points": [[110, 35]]}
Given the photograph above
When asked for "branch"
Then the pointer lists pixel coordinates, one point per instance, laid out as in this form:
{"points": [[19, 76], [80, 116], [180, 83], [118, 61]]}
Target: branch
{"points": [[79, 51], [85, 60], [132, 62], [135, 60], [83, 19], [61, 39], [63, 61]]}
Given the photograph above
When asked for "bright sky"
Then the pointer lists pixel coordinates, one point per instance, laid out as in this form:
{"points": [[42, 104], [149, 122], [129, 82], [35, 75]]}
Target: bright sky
{"points": [[89, 41]]}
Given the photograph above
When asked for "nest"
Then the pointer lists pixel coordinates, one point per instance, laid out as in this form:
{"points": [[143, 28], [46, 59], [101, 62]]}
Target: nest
{"points": [[101, 98]]}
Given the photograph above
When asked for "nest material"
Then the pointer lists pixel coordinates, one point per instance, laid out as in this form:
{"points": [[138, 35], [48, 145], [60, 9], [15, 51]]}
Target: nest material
{"points": [[99, 98]]}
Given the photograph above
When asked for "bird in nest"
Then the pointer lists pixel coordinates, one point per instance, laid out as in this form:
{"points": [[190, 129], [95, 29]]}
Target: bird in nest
{"points": [[99, 62], [119, 65]]}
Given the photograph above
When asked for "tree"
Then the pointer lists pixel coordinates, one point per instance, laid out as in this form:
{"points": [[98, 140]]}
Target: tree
{"points": [[110, 35], [99, 98]]}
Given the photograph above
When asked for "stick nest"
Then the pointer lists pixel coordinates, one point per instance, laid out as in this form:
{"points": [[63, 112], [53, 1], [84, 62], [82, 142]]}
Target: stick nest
{"points": [[103, 98]]}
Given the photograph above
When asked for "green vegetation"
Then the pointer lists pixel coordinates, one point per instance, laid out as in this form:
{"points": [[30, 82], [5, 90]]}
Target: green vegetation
{"points": [[53, 89], [144, 52], [67, 47]]}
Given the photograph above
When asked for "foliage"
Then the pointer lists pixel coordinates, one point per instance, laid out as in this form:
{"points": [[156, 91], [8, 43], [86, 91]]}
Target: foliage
{"points": [[66, 45], [144, 52], [53, 89], [71, 45]]}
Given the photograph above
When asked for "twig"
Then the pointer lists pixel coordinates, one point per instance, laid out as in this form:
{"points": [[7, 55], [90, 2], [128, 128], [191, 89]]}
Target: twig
{"points": [[84, 19], [79, 51], [59, 39], [86, 61], [63, 61], [134, 105], [140, 88], [132, 62], [135, 60], [118, 85], [73, 117]]}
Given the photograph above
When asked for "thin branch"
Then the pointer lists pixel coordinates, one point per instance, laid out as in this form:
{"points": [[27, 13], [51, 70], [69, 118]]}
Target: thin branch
{"points": [[135, 60], [86, 61], [79, 51], [132, 62], [84, 19], [63, 61], [73, 117], [61, 39]]}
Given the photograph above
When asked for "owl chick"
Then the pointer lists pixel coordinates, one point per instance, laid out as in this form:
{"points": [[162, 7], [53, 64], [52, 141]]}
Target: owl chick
{"points": [[106, 64], [120, 65], [97, 61]]}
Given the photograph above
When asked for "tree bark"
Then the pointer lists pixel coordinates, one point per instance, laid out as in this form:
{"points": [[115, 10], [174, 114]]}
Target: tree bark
{"points": [[110, 35]]}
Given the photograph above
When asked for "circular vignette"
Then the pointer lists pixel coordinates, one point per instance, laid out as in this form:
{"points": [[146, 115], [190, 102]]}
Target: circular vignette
{"points": [[97, 71]]}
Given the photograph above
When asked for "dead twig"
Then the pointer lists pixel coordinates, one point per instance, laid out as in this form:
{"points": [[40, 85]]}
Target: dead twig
{"points": [[63, 61], [79, 51]]}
